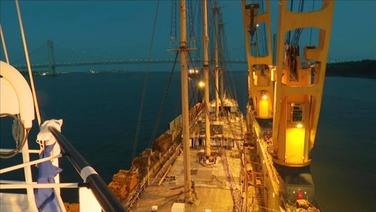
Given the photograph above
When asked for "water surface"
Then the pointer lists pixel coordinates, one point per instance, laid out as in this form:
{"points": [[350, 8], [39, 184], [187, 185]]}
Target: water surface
{"points": [[100, 115]]}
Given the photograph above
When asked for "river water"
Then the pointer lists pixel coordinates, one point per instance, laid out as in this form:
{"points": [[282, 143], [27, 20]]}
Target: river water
{"points": [[100, 115]]}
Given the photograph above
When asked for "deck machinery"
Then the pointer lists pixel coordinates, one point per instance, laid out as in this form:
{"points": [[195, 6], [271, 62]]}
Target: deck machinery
{"points": [[285, 99]]}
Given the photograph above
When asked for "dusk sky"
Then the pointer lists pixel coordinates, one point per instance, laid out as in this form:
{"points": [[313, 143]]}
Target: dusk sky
{"points": [[121, 29]]}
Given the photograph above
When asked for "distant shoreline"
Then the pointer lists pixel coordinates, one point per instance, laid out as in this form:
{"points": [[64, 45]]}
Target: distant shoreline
{"points": [[354, 69], [358, 69]]}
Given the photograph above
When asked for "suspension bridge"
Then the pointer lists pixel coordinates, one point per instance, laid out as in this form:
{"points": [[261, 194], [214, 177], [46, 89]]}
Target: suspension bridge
{"points": [[50, 65]]}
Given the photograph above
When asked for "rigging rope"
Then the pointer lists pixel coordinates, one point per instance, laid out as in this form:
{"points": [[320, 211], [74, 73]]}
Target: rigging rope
{"points": [[173, 30], [4, 44], [140, 113], [310, 33], [26, 51], [167, 88], [227, 67]]}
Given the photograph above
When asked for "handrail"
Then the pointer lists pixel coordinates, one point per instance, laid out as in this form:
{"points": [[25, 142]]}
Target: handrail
{"points": [[108, 201]]}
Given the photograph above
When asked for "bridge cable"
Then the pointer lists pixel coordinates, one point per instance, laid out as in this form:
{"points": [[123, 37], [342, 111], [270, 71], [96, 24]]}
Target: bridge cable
{"points": [[143, 94]]}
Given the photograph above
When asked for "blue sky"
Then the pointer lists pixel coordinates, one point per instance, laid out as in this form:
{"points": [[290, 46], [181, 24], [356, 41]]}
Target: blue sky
{"points": [[121, 29]]}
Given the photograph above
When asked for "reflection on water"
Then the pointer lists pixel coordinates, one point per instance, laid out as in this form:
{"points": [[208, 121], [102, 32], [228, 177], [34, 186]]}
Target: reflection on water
{"points": [[100, 112]]}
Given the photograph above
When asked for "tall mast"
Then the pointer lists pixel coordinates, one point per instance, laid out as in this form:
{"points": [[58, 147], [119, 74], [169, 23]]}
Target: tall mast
{"points": [[205, 41], [216, 70], [184, 100]]}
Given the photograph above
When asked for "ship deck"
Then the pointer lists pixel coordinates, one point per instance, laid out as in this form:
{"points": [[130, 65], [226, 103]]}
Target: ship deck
{"points": [[213, 189]]}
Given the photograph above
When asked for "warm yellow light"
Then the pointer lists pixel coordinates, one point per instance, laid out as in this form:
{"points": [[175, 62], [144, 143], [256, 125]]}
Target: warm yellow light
{"points": [[299, 125], [264, 97], [295, 145], [193, 71], [201, 84], [264, 108]]}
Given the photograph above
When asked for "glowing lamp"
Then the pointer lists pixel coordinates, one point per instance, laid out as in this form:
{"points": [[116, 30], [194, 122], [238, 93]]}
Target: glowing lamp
{"points": [[201, 84], [299, 195], [295, 145], [263, 107], [299, 125]]}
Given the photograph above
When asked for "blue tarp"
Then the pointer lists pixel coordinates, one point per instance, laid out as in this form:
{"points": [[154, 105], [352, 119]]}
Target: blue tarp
{"points": [[45, 197]]}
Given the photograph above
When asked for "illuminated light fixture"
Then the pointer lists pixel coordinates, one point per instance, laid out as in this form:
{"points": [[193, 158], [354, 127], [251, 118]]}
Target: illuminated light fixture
{"points": [[201, 84], [300, 195], [299, 125], [193, 71], [257, 25], [263, 109]]}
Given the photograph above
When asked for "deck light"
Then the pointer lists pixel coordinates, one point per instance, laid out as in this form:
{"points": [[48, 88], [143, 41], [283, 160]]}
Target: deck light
{"points": [[201, 84]]}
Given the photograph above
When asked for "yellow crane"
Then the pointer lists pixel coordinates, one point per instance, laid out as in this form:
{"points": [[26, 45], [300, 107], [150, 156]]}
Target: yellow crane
{"points": [[299, 89], [289, 92], [260, 85]]}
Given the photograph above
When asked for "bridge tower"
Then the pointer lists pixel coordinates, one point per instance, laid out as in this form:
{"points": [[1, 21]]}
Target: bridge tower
{"points": [[51, 57]]}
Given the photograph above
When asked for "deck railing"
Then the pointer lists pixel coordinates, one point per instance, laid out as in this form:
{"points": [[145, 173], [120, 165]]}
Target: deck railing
{"points": [[107, 200]]}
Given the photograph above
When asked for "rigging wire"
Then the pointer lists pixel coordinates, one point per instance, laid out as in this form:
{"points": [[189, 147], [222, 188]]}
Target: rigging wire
{"points": [[173, 30], [164, 98], [289, 33], [227, 67], [26, 51], [191, 21], [310, 33], [4, 44], [194, 97], [298, 31], [143, 94]]}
